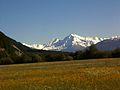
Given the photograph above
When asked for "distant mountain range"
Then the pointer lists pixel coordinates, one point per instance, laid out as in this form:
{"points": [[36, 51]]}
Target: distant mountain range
{"points": [[71, 43], [74, 42], [109, 44]]}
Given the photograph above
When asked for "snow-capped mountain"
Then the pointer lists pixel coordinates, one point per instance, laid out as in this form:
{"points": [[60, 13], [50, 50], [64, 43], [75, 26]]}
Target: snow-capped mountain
{"points": [[109, 44], [34, 46], [71, 43]]}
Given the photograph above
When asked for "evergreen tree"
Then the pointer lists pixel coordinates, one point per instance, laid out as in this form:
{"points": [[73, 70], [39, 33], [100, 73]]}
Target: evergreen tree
{"points": [[116, 53]]}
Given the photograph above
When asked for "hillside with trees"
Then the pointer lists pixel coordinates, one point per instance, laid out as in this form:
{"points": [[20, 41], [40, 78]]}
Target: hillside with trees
{"points": [[13, 52]]}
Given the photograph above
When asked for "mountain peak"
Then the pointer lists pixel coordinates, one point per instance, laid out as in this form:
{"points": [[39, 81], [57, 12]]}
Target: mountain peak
{"points": [[54, 40], [72, 42], [73, 37], [73, 34]]}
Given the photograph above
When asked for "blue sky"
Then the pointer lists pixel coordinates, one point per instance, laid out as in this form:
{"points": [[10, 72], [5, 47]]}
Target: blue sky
{"points": [[38, 21]]}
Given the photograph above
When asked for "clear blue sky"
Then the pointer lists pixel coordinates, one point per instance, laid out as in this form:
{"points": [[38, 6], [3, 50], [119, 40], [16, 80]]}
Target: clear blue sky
{"points": [[38, 21]]}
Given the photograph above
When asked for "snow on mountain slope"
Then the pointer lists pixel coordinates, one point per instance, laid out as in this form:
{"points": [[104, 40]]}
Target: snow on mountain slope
{"points": [[109, 44], [72, 43], [35, 46]]}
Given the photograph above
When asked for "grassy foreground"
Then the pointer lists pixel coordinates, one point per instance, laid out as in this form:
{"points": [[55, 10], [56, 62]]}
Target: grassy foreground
{"points": [[101, 74]]}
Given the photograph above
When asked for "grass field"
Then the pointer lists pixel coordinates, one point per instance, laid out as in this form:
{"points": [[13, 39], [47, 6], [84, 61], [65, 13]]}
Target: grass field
{"points": [[100, 74]]}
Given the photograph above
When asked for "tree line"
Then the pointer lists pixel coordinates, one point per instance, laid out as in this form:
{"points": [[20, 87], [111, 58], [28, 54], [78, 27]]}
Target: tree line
{"points": [[42, 56]]}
